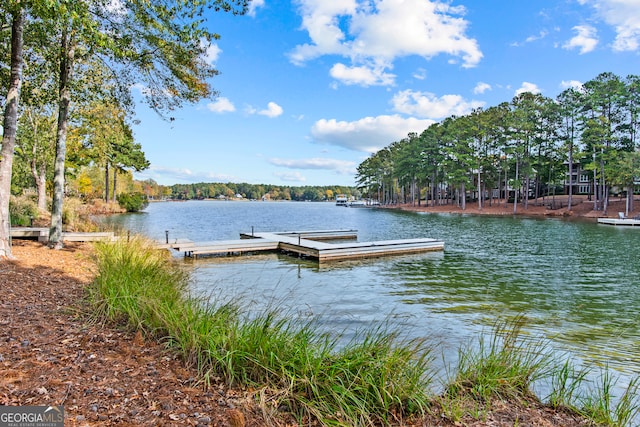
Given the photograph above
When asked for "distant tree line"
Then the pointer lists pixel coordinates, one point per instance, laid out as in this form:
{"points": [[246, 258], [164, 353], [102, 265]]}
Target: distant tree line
{"points": [[519, 149], [214, 190]]}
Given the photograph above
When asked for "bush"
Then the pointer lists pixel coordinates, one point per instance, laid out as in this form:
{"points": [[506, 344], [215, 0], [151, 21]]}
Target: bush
{"points": [[22, 210], [133, 202]]}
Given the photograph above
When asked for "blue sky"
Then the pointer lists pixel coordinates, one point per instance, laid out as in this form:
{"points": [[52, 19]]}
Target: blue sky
{"points": [[308, 89]]}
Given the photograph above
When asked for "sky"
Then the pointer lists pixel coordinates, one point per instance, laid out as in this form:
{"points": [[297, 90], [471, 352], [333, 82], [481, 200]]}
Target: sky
{"points": [[308, 89]]}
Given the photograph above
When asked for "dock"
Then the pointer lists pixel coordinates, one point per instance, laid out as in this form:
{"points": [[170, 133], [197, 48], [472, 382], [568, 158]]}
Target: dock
{"points": [[41, 234], [627, 222], [322, 246]]}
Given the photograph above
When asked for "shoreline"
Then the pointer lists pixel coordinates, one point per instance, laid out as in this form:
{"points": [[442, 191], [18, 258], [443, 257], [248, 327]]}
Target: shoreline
{"points": [[582, 209], [103, 373]]}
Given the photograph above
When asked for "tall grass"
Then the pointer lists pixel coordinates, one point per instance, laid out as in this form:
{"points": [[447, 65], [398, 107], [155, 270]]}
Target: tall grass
{"points": [[377, 378], [602, 406], [503, 365]]}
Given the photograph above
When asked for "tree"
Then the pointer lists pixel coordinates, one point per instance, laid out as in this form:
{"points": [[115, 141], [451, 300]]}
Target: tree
{"points": [[569, 102], [603, 115], [152, 42], [36, 139], [10, 126]]}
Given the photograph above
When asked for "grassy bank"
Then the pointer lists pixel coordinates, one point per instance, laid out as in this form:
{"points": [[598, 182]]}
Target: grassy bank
{"points": [[378, 378]]}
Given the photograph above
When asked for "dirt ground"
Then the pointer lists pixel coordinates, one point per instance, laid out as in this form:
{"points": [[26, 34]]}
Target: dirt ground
{"points": [[582, 207], [51, 354]]}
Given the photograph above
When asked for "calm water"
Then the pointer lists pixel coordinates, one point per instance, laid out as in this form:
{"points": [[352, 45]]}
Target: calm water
{"points": [[577, 283]]}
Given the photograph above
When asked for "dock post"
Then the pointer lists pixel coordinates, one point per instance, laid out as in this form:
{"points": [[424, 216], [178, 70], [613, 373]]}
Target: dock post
{"points": [[166, 234]]}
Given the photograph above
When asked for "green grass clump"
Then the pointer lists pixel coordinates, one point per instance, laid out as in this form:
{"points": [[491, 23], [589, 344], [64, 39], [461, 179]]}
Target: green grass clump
{"points": [[599, 405], [504, 367], [377, 378]]}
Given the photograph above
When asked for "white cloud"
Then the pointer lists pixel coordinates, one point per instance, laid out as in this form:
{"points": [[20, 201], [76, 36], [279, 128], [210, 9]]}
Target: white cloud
{"points": [[169, 176], [624, 17], [343, 167], [481, 87], [379, 32], [290, 176], [253, 6], [212, 51], [542, 34], [369, 134], [272, 110], [428, 105], [566, 84], [221, 105], [420, 74], [363, 76], [585, 39], [528, 87]]}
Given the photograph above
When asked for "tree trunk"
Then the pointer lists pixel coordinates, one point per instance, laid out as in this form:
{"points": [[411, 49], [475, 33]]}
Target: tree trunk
{"points": [[106, 182], [525, 193], [115, 183], [570, 198], [479, 189], [515, 192], [10, 127], [40, 178], [66, 66]]}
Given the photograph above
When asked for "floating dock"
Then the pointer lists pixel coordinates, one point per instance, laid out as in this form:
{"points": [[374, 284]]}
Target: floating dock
{"points": [[628, 222], [312, 244]]}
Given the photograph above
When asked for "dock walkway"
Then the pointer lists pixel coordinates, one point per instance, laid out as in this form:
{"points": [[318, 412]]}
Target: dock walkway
{"points": [[42, 235], [312, 244]]}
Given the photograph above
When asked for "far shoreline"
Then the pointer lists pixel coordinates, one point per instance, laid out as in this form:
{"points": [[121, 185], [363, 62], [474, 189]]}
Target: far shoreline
{"points": [[582, 209]]}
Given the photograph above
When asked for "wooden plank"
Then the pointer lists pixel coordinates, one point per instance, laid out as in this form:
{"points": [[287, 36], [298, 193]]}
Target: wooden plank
{"points": [[378, 251], [87, 237], [42, 233], [310, 235], [232, 246]]}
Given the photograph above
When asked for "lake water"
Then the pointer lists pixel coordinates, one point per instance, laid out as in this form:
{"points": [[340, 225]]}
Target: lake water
{"points": [[577, 283]]}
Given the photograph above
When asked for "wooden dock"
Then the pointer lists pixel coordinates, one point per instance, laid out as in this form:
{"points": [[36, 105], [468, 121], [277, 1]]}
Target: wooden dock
{"points": [[312, 244], [627, 222], [42, 235]]}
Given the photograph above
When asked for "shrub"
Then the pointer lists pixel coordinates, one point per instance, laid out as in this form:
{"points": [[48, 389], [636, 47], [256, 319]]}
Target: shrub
{"points": [[133, 202], [22, 210]]}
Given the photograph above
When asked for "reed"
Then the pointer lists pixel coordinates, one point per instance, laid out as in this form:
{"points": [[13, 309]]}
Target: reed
{"points": [[605, 408], [501, 366], [377, 378]]}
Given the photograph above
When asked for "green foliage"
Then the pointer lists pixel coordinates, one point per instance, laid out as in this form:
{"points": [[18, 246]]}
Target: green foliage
{"points": [[133, 202], [600, 405], [22, 210], [376, 377], [527, 141], [214, 190], [504, 367]]}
